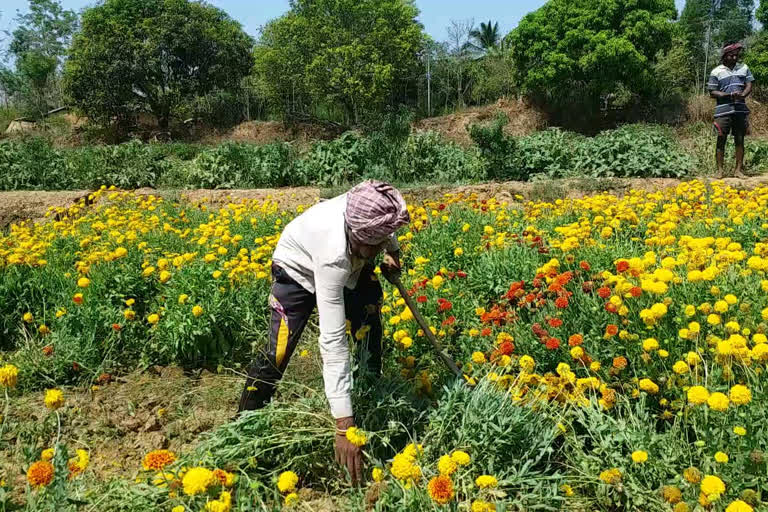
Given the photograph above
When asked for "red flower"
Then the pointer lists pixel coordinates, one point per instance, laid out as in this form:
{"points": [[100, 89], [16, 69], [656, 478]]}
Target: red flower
{"points": [[636, 291], [587, 286], [609, 307], [561, 302], [461, 274], [575, 340], [555, 322], [421, 298], [622, 266], [47, 350], [552, 343], [441, 207], [506, 348], [116, 327], [611, 330], [444, 305], [75, 366], [486, 332], [584, 266], [450, 320], [604, 292]]}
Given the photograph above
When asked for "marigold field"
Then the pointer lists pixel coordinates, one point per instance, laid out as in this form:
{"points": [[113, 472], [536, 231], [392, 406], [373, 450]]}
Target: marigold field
{"points": [[613, 351]]}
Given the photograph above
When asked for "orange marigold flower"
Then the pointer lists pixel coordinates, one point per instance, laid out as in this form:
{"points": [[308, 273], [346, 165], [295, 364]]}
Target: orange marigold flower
{"points": [[635, 291], [440, 489], [604, 292], [611, 308], [485, 332], [561, 302], [575, 340], [555, 322], [620, 362], [40, 473], [47, 350], [584, 266], [622, 266], [611, 330], [156, 460], [552, 343]]}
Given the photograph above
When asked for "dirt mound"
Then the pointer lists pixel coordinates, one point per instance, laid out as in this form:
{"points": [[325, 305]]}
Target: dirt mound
{"points": [[523, 119], [263, 132], [23, 205]]}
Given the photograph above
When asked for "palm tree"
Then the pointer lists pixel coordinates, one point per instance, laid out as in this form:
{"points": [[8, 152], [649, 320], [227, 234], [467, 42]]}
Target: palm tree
{"points": [[484, 39]]}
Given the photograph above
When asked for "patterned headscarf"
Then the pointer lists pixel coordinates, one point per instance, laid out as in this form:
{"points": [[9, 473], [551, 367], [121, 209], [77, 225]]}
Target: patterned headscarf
{"points": [[731, 48], [375, 210]]}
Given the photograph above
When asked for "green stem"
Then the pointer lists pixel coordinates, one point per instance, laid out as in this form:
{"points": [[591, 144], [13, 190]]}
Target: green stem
{"points": [[5, 414]]}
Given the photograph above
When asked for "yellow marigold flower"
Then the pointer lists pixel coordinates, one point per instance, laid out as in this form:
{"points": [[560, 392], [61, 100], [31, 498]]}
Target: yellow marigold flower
{"points": [[287, 481], [148, 271], [83, 282], [486, 481], [402, 466], [225, 478], [197, 311], [437, 282], [712, 487], [178, 508], [458, 252], [648, 386], [663, 353], [460, 457], [692, 358], [43, 329], [79, 464], [594, 366], [690, 310], [9, 375], [739, 506], [681, 368], [197, 480], [291, 499], [721, 306], [440, 489], [377, 474], [466, 227], [153, 319], [129, 314], [478, 357], [721, 457], [692, 475], [740, 431], [650, 344], [54, 399], [611, 476], [639, 456], [577, 352], [28, 317], [671, 494], [713, 319], [165, 276], [304, 353], [40, 474], [718, 402], [446, 465], [356, 436], [482, 506], [527, 364], [47, 454], [681, 507], [216, 274], [740, 395], [698, 395], [183, 298], [156, 460]]}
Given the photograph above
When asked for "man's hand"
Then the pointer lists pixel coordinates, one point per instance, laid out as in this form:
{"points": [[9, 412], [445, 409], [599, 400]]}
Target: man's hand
{"points": [[347, 454], [390, 266]]}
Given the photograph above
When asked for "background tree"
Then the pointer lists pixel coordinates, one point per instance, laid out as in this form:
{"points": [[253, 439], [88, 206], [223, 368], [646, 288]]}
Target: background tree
{"points": [[347, 55], [37, 48], [153, 55], [485, 38], [575, 53]]}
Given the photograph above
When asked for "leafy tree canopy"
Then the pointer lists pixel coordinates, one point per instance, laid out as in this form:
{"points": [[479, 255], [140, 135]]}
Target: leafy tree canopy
{"points": [[153, 55], [348, 54], [591, 47]]}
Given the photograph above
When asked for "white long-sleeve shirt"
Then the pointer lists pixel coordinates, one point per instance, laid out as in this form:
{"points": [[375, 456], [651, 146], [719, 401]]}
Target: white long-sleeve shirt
{"points": [[314, 252]]}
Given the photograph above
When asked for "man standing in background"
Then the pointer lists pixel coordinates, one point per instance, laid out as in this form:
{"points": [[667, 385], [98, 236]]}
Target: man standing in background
{"points": [[730, 83]]}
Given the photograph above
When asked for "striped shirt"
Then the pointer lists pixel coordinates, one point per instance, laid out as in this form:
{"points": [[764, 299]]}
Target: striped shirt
{"points": [[729, 80]]}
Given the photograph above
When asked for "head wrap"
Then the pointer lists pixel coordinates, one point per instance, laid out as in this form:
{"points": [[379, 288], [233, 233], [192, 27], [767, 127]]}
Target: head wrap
{"points": [[375, 210], [731, 48]]}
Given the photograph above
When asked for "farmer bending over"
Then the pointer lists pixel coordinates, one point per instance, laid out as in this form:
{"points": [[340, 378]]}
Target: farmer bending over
{"points": [[325, 257], [730, 83]]}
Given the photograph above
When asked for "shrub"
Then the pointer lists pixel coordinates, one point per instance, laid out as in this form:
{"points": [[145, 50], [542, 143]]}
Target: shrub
{"points": [[497, 149]]}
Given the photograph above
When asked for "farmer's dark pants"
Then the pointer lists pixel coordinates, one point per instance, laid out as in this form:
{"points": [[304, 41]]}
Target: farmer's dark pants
{"points": [[291, 306]]}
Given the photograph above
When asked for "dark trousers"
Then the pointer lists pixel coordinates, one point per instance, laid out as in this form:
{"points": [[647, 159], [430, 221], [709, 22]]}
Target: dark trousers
{"points": [[291, 306]]}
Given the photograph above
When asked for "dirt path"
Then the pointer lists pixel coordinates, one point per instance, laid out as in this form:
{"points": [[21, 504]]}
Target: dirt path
{"points": [[21, 205]]}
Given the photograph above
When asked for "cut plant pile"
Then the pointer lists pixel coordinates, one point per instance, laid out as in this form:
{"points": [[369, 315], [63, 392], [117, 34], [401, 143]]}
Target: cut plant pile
{"points": [[614, 350]]}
